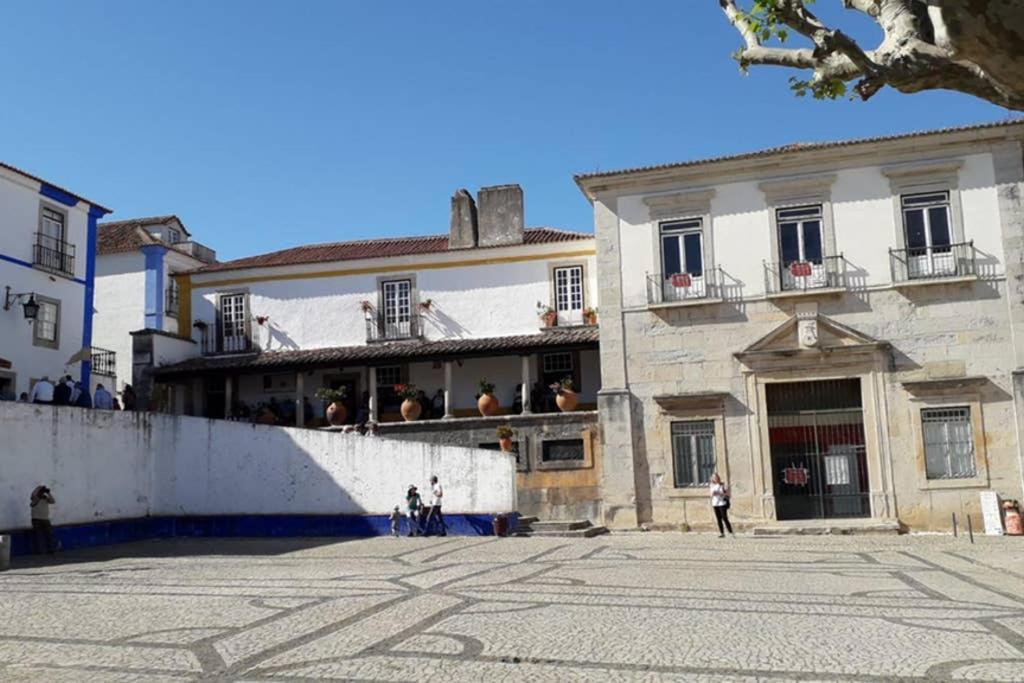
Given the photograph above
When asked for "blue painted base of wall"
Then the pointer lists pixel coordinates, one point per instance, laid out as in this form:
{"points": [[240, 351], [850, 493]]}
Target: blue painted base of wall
{"points": [[242, 526]]}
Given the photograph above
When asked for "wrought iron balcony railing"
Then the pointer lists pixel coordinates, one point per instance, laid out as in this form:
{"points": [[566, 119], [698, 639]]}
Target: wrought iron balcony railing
{"points": [[682, 287], [214, 342], [54, 255], [104, 361], [378, 329], [936, 262], [799, 276]]}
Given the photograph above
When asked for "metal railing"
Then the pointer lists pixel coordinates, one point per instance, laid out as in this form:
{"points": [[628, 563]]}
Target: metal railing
{"points": [[172, 301], [799, 276], [104, 361], [54, 255], [378, 329], [213, 343], [680, 287], [929, 263]]}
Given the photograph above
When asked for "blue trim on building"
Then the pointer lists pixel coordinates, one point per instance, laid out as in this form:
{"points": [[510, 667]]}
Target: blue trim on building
{"points": [[154, 286], [242, 526], [58, 195], [95, 213], [26, 264]]}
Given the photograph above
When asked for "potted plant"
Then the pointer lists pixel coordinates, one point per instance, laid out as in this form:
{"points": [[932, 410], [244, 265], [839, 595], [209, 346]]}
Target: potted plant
{"points": [[427, 304], [505, 434], [590, 316], [411, 407], [565, 397], [487, 404], [547, 314], [336, 412]]}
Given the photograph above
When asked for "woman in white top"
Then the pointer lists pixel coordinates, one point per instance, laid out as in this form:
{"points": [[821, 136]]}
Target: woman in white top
{"points": [[720, 504]]}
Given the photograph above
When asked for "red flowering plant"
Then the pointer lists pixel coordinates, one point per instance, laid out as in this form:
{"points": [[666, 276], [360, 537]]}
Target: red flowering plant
{"points": [[406, 390]]}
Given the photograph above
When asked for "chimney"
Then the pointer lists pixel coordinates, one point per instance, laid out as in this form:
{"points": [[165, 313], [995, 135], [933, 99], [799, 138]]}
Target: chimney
{"points": [[501, 215], [463, 230]]}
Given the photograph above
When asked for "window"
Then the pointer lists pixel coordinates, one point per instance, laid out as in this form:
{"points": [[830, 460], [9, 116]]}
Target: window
{"points": [[51, 227], [557, 366], [926, 225], [948, 443], [46, 329], [682, 259], [397, 308], [233, 323], [173, 236], [172, 305], [562, 450], [693, 452], [801, 250], [569, 295], [387, 378], [52, 251]]}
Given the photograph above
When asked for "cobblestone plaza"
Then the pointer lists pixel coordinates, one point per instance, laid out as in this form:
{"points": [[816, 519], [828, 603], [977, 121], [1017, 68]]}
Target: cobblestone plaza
{"points": [[655, 606]]}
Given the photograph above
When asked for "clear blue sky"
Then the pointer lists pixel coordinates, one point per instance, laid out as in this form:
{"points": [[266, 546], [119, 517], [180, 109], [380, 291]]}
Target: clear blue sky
{"points": [[269, 124]]}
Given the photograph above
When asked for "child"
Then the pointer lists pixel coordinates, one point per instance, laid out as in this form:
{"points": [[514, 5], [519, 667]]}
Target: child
{"points": [[396, 519]]}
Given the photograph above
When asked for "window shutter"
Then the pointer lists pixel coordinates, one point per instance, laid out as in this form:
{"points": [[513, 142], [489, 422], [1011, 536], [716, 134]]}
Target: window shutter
{"points": [[218, 326]]}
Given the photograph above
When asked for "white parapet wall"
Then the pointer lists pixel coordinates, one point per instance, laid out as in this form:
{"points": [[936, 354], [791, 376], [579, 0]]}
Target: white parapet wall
{"points": [[106, 465]]}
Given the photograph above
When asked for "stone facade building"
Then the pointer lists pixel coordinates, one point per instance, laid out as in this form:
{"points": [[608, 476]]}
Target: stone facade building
{"points": [[835, 328]]}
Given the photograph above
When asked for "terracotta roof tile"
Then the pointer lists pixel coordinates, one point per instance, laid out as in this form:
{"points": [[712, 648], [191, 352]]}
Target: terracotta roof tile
{"points": [[376, 248], [572, 337], [121, 237]]}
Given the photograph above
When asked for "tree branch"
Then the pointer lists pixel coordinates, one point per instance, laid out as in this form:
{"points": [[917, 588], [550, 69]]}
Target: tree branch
{"points": [[739, 21]]}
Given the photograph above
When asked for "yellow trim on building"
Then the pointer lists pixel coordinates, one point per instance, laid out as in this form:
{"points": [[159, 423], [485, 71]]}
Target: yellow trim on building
{"points": [[184, 305], [403, 268]]}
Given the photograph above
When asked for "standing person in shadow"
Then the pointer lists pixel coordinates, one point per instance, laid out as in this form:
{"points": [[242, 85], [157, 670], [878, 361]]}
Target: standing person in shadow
{"points": [[42, 530], [436, 494]]}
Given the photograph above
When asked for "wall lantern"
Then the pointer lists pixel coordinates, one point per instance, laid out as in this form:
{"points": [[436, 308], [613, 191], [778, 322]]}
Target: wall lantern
{"points": [[28, 305]]}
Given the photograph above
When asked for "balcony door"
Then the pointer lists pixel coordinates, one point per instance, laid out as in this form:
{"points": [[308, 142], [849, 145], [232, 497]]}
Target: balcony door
{"points": [[234, 336], [801, 255], [569, 295], [682, 260], [51, 247], [929, 238], [397, 313]]}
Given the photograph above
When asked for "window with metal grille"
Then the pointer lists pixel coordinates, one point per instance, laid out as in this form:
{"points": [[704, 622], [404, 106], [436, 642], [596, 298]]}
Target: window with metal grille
{"points": [[948, 443], [397, 295], [569, 295], [693, 452], [561, 450]]}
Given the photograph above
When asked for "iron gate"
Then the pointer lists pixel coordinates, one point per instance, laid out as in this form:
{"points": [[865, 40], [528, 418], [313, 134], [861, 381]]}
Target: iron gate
{"points": [[816, 435]]}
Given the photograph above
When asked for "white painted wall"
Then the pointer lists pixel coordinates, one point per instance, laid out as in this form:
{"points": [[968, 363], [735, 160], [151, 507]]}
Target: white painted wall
{"points": [[109, 465], [120, 306], [865, 226], [20, 203]]}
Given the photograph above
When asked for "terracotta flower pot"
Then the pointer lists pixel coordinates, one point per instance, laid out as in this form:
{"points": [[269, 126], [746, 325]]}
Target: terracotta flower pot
{"points": [[549, 319], [487, 404], [590, 320], [567, 400], [336, 414], [411, 409], [506, 444]]}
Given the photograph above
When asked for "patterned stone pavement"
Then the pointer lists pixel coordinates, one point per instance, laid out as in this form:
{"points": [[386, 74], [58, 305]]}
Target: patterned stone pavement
{"points": [[629, 607]]}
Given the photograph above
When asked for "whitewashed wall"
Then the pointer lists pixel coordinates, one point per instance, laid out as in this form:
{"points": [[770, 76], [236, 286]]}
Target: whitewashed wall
{"points": [[108, 465], [19, 217], [864, 218], [120, 306]]}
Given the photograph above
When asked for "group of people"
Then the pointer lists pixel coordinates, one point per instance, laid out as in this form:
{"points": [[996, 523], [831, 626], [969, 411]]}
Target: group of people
{"points": [[421, 520], [69, 392]]}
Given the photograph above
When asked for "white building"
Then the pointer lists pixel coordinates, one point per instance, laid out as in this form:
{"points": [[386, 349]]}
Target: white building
{"points": [[136, 261], [47, 248], [835, 328]]}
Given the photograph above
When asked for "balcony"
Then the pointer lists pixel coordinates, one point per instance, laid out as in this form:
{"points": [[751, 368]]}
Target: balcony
{"points": [[684, 288], [53, 255], [104, 362], [805, 277], [380, 330], [214, 343], [924, 265], [172, 301]]}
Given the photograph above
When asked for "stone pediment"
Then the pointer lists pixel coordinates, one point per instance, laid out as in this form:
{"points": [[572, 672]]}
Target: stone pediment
{"points": [[809, 334]]}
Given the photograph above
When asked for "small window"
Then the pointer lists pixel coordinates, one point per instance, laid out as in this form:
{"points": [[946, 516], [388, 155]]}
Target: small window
{"points": [[46, 330], [173, 236], [562, 450], [948, 443], [569, 295], [387, 377], [693, 452], [556, 367]]}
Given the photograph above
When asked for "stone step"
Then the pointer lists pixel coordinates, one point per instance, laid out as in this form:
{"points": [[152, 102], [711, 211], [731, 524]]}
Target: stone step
{"points": [[527, 520], [554, 525], [830, 527], [567, 533]]}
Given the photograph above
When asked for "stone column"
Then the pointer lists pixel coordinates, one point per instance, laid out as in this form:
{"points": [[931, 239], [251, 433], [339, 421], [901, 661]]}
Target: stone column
{"points": [[228, 397], [448, 389], [300, 391], [371, 374], [527, 408]]}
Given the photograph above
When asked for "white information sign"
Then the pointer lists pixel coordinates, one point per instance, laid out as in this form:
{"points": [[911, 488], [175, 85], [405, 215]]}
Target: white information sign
{"points": [[991, 514]]}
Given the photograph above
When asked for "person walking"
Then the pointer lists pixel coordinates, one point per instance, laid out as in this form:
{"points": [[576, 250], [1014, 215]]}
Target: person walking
{"points": [[720, 504], [102, 400], [42, 391], [436, 494], [42, 530], [414, 504]]}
